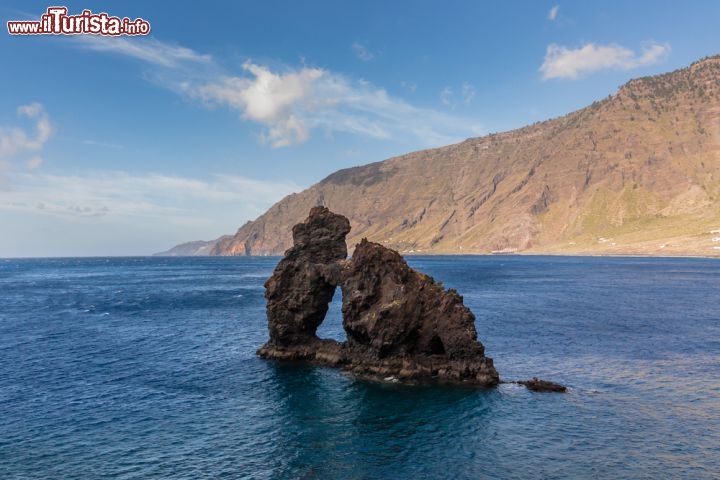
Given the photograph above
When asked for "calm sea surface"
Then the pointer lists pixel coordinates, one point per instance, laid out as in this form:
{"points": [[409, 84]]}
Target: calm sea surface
{"points": [[139, 368]]}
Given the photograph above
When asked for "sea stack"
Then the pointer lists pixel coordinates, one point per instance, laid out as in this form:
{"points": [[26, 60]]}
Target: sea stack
{"points": [[400, 324]]}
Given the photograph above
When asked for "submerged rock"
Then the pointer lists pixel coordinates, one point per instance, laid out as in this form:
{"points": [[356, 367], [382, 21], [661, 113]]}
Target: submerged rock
{"points": [[399, 323], [538, 385]]}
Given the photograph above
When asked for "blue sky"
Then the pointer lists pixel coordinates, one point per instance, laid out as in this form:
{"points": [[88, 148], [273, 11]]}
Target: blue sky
{"points": [[129, 145]]}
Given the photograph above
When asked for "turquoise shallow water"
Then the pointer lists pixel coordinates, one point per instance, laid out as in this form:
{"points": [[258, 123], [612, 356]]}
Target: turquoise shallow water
{"points": [[145, 368]]}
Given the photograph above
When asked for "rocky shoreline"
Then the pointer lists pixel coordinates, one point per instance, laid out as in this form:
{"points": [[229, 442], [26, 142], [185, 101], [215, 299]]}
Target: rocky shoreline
{"points": [[400, 324]]}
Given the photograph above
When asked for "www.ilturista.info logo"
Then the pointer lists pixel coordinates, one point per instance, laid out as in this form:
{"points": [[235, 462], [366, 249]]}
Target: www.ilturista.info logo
{"points": [[57, 22]]}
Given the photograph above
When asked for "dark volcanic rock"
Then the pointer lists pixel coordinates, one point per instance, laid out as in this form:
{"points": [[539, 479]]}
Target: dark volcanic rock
{"points": [[538, 385], [298, 293], [400, 323]]}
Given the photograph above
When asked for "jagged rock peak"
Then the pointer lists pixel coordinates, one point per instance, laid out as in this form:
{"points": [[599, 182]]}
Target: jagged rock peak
{"points": [[395, 310], [298, 292], [321, 236]]}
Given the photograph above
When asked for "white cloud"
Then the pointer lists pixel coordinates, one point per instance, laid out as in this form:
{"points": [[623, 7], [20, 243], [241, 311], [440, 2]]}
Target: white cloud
{"points": [[468, 92], [563, 62], [32, 110], [409, 86], [268, 98], [34, 162], [15, 140], [147, 48], [95, 143], [552, 14], [292, 103], [119, 194], [446, 97], [362, 52], [117, 213]]}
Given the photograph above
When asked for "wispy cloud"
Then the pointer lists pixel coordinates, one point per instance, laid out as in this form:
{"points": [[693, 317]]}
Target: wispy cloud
{"points": [[147, 49], [409, 86], [16, 141], [569, 63], [552, 14], [468, 93], [446, 97], [362, 52], [291, 102], [34, 162], [95, 143], [118, 213], [119, 194]]}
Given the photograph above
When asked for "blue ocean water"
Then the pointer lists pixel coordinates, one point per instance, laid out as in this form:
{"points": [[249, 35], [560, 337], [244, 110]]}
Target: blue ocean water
{"points": [[145, 368]]}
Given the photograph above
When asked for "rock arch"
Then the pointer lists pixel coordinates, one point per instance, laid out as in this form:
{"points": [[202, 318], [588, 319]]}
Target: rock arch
{"points": [[399, 322], [300, 290]]}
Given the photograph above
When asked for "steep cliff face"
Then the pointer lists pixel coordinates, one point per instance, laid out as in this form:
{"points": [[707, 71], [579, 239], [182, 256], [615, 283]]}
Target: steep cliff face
{"points": [[638, 172]]}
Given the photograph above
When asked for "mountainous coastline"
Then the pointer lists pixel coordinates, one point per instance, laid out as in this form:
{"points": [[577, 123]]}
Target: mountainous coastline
{"points": [[635, 173], [196, 248]]}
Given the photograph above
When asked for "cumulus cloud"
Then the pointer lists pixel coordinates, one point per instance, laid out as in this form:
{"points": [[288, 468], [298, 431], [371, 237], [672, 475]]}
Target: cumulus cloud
{"points": [[14, 140], [269, 98], [569, 63], [552, 14], [292, 103], [362, 52]]}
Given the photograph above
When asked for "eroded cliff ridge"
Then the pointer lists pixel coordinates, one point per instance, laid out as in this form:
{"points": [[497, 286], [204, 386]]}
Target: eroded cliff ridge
{"points": [[637, 173], [399, 323]]}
